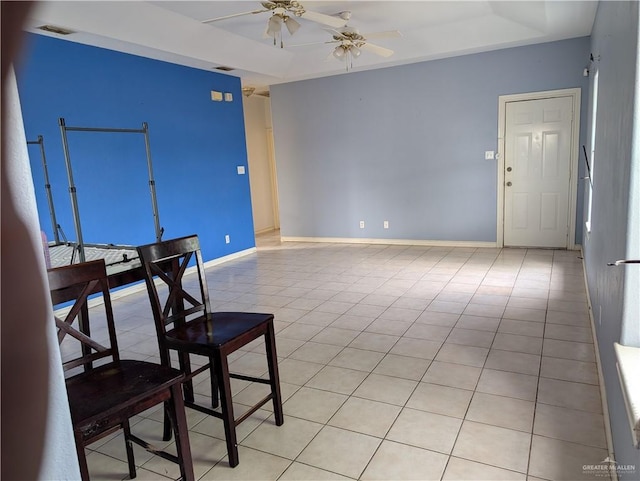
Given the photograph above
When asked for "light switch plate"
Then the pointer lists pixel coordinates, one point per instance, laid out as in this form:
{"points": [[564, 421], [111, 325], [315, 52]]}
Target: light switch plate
{"points": [[216, 96], [489, 155], [228, 97], [241, 170]]}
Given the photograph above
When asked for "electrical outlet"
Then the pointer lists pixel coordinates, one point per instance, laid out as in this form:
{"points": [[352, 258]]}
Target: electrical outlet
{"points": [[385, 224], [227, 239], [362, 224]]}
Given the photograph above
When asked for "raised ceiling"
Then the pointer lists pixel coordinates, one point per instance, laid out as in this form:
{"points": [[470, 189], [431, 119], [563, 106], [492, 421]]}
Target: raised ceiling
{"points": [[173, 31]]}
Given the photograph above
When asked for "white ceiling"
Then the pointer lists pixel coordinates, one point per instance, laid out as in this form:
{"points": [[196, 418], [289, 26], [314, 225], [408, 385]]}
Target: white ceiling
{"points": [[173, 31]]}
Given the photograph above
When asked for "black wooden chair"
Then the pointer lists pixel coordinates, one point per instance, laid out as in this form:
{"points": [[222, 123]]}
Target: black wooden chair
{"points": [[185, 323], [105, 391]]}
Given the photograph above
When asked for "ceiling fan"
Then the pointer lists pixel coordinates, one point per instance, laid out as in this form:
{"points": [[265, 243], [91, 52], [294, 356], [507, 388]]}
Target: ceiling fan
{"points": [[282, 13], [350, 43]]}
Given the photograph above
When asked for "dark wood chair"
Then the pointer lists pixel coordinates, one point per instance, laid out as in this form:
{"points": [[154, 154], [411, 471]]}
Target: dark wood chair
{"points": [[185, 323], [105, 391]]}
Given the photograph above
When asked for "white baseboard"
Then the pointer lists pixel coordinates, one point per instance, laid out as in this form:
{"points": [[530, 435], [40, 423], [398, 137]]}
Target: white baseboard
{"points": [[403, 242], [265, 231], [603, 391]]}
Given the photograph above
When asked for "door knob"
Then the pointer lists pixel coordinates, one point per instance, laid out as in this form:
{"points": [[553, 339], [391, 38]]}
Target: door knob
{"points": [[508, 184], [509, 169]]}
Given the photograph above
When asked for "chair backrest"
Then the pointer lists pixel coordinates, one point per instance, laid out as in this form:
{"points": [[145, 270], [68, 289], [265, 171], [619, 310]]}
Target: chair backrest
{"points": [[75, 283], [168, 261]]}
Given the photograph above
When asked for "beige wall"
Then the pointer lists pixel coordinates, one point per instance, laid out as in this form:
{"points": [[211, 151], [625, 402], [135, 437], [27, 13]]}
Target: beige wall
{"points": [[257, 119]]}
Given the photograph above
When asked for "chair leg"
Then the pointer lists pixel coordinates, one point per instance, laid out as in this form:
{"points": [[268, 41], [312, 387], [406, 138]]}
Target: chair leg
{"points": [[272, 361], [165, 360], [185, 367], [215, 399], [129, 448], [175, 411], [224, 385], [166, 434], [82, 457]]}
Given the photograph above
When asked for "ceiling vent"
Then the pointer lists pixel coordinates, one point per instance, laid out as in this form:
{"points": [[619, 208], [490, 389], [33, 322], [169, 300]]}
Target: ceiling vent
{"points": [[54, 29], [225, 69]]}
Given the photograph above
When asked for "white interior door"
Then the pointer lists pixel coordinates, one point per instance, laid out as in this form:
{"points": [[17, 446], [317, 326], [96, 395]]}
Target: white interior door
{"points": [[537, 172]]}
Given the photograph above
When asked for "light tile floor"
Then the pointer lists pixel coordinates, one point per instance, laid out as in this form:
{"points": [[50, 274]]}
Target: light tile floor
{"points": [[396, 362]]}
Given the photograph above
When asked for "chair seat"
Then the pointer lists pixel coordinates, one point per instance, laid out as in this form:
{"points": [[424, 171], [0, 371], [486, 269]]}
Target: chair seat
{"points": [[107, 391], [227, 326]]}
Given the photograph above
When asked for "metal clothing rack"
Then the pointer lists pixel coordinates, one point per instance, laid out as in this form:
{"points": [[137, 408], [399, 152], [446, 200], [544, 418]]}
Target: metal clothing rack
{"points": [[72, 187], [47, 186]]}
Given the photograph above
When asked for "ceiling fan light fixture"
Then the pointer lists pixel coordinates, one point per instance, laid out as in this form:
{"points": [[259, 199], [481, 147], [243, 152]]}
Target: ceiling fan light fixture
{"points": [[274, 27], [340, 52], [355, 51], [292, 25]]}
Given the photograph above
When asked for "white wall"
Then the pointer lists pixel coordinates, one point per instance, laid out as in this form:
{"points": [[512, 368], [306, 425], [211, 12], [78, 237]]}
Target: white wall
{"points": [[257, 119]]}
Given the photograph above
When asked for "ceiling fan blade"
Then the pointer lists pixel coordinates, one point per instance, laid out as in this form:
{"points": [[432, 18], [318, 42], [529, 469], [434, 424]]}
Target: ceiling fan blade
{"points": [[383, 52], [385, 34], [335, 22], [334, 32], [313, 43], [253, 12]]}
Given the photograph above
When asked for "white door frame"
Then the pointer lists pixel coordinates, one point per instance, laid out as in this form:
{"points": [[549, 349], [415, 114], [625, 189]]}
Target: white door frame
{"points": [[575, 152]]}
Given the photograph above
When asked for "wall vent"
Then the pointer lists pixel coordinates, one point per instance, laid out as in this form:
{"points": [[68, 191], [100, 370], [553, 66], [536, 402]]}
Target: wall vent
{"points": [[225, 69], [54, 29]]}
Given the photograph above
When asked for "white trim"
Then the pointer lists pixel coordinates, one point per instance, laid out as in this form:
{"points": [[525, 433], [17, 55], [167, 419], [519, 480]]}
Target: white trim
{"points": [[603, 391], [628, 366], [403, 242], [265, 230], [575, 94]]}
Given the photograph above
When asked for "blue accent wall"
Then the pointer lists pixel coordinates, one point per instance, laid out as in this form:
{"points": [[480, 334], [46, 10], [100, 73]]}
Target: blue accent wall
{"points": [[406, 144], [196, 146], [614, 221]]}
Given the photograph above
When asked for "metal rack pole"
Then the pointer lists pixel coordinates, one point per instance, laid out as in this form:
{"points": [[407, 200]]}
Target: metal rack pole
{"points": [[72, 191], [152, 184], [99, 129], [47, 187]]}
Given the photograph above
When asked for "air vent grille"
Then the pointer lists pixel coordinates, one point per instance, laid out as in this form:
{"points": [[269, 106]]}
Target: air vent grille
{"points": [[225, 69]]}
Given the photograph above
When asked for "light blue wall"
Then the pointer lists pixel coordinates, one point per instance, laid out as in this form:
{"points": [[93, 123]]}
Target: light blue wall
{"points": [[406, 144], [615, 40], [196, 145]]}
